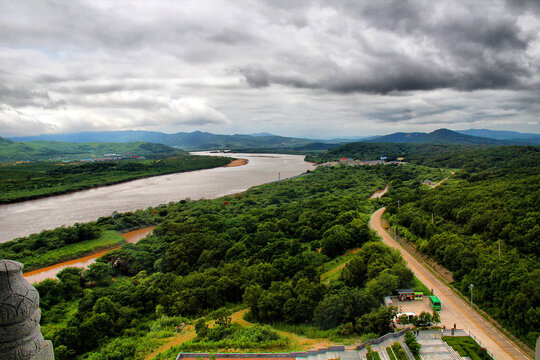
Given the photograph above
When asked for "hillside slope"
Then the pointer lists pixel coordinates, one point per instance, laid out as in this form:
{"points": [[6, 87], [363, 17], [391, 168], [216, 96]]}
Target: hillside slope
{"points": [[194, 140], [56, 150], [441, 136]]}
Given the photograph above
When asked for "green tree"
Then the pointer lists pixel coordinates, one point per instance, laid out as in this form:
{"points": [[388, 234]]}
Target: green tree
{"points": [[412, 343], [201, 328], [223, 317], [98, 273], [330, 311], [355, 273]]}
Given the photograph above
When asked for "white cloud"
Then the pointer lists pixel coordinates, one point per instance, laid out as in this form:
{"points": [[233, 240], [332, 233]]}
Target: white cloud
{"points": [[302, 68], [13, 122]]}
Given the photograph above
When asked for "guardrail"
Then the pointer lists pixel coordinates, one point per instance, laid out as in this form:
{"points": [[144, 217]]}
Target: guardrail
{"points": [[383, 338], [481, 345], [290, 355], [452, 352]]}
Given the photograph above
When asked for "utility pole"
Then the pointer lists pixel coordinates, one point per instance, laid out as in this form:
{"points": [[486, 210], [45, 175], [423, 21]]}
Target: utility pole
{"points": [[499, 249], [471, 286], [279, 176], [398, 205], [432, 218]]}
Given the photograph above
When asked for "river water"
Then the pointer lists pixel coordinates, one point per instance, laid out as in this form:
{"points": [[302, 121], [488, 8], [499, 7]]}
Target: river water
{"points": [[25, 218], [50, 272]]}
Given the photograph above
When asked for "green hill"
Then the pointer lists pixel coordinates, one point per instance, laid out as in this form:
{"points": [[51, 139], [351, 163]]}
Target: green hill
{"points": [[441, 136], [196, 140], [56, 150]]}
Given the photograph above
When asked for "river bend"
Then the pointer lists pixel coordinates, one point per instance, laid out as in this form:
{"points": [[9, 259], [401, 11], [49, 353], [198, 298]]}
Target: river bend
{"points": [[25, 218]]}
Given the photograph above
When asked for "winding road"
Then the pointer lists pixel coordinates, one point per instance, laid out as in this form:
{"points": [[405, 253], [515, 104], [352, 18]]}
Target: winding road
{"points": [[454, 309]]}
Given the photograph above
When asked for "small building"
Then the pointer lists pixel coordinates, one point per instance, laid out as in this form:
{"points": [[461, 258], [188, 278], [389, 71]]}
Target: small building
{"points": [[405, 294]]}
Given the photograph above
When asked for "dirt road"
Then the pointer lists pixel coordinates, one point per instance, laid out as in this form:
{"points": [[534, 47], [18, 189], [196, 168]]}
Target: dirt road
{"points": [[454, 310]]}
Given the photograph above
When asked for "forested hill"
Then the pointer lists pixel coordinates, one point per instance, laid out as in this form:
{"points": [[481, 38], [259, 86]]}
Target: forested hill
{"points": [[492, 203], [440, 136], [56, 150], [265, 248], [373, 151], [194, 140]]}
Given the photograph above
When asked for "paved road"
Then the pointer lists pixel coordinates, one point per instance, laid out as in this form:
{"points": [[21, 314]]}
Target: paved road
{"points": [[453, 308]]}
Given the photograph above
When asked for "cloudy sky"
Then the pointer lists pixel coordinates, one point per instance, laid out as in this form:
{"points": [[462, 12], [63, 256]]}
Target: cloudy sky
{"points": [[289, 67]]}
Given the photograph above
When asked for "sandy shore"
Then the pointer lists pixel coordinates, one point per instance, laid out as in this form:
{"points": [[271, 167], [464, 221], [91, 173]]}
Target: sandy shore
{"points": [[237, 162]]}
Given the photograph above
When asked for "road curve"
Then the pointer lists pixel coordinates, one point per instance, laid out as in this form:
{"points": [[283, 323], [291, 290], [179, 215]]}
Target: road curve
{"points": [[454, 309]]}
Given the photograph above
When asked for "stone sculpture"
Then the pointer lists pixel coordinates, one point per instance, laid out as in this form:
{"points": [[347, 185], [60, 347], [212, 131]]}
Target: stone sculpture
{"points": [[20, 334]]}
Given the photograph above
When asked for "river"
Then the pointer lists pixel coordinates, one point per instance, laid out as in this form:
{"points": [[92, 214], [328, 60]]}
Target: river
{"points": [[50, 272], [25, 218]]}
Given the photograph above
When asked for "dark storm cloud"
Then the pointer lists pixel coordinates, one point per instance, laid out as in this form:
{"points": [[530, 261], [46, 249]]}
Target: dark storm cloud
{"points": [[467, 51], [258, 78], [407, 114], [20, 96], [203, 62]]}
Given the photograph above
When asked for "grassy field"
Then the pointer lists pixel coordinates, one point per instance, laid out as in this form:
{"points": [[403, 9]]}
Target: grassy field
{"points": [[419, 286], [332, 269]]}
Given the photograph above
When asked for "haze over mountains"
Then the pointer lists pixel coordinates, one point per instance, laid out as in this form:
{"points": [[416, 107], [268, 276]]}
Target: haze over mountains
{"points": [[203, 140]]}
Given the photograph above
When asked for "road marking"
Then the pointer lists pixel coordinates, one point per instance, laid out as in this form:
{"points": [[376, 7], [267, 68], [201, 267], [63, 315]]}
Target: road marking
{"points": [[402, 250]]}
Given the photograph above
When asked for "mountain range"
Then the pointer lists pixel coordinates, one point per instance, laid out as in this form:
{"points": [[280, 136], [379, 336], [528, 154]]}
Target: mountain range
{"points": [[196, 140], [446, 136], [199, 140]]}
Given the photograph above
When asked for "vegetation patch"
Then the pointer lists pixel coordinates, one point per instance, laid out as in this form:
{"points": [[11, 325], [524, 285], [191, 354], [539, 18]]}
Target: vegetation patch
{"points": [[27, 181], [62, 244], [466, 346], [484, 227]]}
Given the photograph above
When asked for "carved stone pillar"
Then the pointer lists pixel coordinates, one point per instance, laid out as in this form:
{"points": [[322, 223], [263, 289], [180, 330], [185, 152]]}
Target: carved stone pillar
{"points": [[20, 334]]}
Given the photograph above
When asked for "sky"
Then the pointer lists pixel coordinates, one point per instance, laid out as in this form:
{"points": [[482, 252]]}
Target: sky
{"points": [[289, 67]]}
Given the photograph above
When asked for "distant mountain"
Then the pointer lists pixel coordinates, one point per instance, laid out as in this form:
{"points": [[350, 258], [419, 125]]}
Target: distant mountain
{"points": [[56, 150], [262, 134], [498, 134], [441, 136], [348, 139], [196, 140]]}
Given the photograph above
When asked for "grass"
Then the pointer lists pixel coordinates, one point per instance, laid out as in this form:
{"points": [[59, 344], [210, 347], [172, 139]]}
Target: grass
{"points": [[419, 286], [399, 352], [373, 356], [57, 318], [390, 353], [466, 346], [332, 269], [109, 239], [313, 332]]}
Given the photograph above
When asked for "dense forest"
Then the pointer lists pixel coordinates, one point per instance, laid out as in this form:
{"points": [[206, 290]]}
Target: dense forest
{"points": [[265, 249], [19, 182], [373, 151], [484, 225]]}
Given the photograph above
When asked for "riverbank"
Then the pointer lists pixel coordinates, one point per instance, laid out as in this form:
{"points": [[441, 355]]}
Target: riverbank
{"points": [[80, 261], [237, 162], [24, 218], [40, 180]]}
